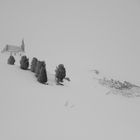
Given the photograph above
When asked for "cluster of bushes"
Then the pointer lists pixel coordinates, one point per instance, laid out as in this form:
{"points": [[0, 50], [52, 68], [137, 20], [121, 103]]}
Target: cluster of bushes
{"points": [[116, 84], [39, 68]]}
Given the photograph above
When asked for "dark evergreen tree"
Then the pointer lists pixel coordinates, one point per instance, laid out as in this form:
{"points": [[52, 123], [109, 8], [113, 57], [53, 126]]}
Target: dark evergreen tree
{"points": [[60, 73], [24, 63], [11, 60], [38, 67], [42, 77], [33, 64]]}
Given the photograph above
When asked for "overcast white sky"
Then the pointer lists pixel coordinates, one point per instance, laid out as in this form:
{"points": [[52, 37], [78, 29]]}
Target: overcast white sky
{"points": [[100, 34], [105, 29]]}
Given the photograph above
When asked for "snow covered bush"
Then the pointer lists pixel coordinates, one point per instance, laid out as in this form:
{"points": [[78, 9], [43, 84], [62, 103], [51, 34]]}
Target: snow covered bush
{"points": [[60, 73], [11, 60], [42, 77], [38, 67], [111, 83], [24, 63], [33, 64]]}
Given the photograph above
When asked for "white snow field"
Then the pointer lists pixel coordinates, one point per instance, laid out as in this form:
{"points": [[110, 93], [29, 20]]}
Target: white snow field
{"points": [[78, 110], [84, 35]]}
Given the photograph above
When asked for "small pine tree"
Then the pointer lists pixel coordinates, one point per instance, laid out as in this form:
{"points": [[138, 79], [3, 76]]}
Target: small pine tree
{"points": [[42, 77], [38, 67], [33, 64], [24, 63], [60, 73], [11, 60]]}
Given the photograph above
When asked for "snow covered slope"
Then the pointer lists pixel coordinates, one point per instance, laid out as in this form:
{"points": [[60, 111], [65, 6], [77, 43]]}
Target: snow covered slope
{"points": [[79, 110]]}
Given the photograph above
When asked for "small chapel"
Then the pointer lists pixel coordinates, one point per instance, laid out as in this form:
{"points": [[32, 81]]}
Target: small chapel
{"points": [[13, 49]]}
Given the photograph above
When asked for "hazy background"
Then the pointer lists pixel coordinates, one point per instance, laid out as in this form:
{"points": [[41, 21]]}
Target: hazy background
{"points": [[83, 35], [97, 33]]}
